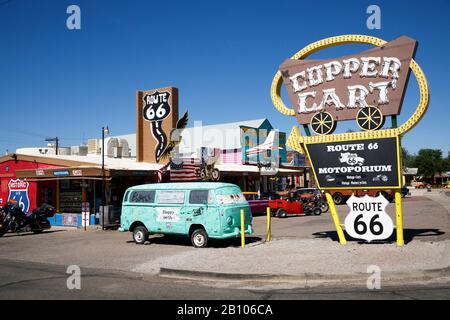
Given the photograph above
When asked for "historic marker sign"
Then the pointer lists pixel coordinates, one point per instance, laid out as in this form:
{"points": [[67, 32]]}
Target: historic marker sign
{"points": [[358, 164]]}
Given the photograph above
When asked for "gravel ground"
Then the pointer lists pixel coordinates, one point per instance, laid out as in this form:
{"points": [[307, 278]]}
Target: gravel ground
{"points": [[307, 256]]}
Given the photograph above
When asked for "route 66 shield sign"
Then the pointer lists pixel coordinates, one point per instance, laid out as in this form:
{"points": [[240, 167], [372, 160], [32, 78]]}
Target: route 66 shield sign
{"points": [[368, 219], [156, 109], [18, 191]]}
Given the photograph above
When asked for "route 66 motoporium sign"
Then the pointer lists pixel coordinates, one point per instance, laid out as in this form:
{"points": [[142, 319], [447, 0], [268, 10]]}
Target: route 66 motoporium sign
{"points": [[366, 88], [356, 164]]}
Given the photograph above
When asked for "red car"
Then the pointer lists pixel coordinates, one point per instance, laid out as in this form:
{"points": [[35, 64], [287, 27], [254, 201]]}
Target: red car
{"points": [[282, 208]]}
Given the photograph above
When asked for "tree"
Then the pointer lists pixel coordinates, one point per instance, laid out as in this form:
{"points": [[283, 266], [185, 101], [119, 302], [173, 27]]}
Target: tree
{"points": [[447, 163], [408, 159], [429, 162]]}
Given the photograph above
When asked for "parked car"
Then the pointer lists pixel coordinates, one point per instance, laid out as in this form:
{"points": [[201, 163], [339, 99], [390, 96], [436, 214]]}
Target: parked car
{"points": [[306, 194], [258, 205], [419, 184], [200, 210], [281, 208], [340, 196]]}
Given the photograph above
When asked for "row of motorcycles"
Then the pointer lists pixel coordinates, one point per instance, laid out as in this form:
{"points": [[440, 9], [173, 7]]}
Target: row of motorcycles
{"points": [[13, 219]]}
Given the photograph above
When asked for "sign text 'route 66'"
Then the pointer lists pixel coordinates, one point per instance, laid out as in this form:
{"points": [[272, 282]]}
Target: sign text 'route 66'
{"points": [[368, 219]]}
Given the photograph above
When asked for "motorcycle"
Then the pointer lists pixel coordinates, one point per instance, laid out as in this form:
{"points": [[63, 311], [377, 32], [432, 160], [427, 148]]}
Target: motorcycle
{"points": [[13, 219]]}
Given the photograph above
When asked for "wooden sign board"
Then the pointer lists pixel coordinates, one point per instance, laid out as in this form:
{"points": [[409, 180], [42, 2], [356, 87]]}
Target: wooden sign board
{"points": [[342, 86], [156, 116]]}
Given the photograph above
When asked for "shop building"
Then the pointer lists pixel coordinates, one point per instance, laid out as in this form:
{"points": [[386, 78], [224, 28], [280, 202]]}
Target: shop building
{"points": [[77, 179]]}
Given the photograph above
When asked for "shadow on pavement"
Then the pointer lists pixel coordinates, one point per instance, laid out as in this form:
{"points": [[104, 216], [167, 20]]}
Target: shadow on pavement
{"points": [[11, 235], [185, 241], [408, 235]]}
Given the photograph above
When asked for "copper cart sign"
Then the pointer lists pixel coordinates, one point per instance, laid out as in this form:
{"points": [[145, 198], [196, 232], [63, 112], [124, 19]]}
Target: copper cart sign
{"points": [[365, 87], [341, 87]]}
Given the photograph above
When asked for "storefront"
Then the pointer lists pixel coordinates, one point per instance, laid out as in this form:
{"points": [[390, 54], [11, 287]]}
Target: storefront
{"points": [[72, 187]]}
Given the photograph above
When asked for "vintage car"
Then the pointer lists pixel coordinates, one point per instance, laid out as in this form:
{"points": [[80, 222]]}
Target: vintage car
{"points": [[258, 205], [292, 203], [281, 208], [340, 196], [199, 210]]}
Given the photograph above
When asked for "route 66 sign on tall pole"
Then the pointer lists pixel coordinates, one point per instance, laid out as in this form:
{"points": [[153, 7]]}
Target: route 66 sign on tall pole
{"points": [[365, 87]]}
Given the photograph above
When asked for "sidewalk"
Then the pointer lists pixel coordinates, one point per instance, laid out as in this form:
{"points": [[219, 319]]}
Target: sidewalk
{"points": [[309, 262], [321, 261]]}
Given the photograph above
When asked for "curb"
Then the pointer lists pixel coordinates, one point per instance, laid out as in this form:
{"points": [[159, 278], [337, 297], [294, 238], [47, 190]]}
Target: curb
{"points": [[308, 279]]}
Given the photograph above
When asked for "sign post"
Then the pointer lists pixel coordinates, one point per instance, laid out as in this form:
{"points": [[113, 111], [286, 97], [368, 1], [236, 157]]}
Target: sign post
{"points": [[365, 87]]}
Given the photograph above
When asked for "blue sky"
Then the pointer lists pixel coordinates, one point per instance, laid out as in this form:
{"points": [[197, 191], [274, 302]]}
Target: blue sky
{"points": [[222, 55]]}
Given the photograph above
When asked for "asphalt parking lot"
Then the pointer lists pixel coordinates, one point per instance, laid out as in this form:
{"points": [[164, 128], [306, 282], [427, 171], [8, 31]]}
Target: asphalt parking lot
{"points": [[424, 219]]}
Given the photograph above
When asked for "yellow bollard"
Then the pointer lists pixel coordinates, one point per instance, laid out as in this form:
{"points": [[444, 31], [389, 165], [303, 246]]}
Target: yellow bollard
{"points": [[335, 216], [269, 225], [399, 218], [242, 229]]}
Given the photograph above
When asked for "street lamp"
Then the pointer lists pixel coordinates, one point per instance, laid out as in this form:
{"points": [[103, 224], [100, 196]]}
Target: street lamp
{"points": [[105, 131]]}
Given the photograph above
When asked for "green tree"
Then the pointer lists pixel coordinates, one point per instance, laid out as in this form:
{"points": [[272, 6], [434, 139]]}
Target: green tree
{"points": [[429, 162], [447, 163], [408, 160]]}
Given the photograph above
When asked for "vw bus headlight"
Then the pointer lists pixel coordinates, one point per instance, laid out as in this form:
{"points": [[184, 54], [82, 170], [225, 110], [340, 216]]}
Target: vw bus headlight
{"points": [[230, 221]]}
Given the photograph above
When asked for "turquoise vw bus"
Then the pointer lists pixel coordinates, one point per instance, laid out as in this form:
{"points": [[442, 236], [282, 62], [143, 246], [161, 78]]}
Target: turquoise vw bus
{"points": [[200, 210]]}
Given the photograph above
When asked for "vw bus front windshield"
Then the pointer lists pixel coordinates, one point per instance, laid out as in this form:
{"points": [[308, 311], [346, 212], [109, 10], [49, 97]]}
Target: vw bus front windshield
{"points": [[229, 195]]}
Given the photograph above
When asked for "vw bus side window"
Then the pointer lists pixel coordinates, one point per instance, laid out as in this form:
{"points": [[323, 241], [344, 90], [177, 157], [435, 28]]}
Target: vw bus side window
{"points": [[125, 197], [229, 196], [142, 196], [171, 197], [201, 197]]}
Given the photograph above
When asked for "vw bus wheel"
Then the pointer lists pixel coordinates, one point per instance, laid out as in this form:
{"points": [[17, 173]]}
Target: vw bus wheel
{"points": [[199, 238], [140, 234], [317, 211]]}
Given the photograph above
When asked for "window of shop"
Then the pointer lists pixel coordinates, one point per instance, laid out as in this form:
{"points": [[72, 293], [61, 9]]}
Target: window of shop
{"points": [[70, 196]]}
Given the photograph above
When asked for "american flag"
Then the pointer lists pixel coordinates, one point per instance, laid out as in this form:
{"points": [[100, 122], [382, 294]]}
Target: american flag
{"points": [[185, 169], [161, 172]]}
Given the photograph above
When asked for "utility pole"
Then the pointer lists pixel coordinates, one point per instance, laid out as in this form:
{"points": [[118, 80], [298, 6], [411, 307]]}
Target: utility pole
{"points": [[56, 141]]}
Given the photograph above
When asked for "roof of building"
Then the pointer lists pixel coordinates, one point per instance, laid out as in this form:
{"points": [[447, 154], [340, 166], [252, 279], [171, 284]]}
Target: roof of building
{"points": [[222, 136], [85, 161]]}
